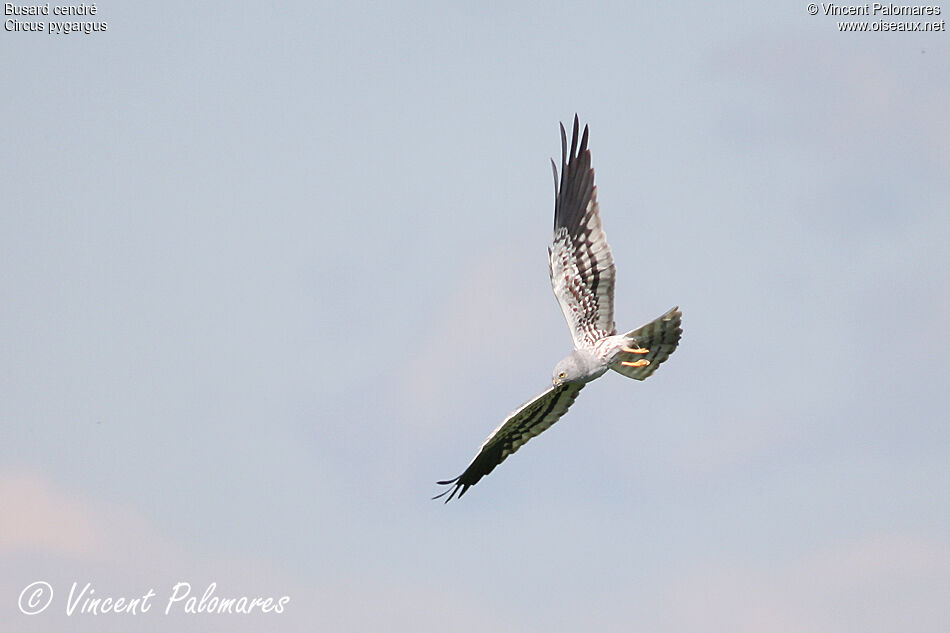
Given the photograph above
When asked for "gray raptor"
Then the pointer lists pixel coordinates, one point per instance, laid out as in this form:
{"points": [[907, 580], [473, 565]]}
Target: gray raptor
{"points": [[582, 275]]}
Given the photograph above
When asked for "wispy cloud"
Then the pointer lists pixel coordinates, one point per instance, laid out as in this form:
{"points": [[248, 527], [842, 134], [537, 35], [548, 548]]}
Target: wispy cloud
{"points": [[489, 322], [875, 584]]}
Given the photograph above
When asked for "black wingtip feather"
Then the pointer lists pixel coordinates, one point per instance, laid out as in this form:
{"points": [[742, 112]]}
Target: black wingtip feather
{"points": [[575, 183], [574, 137], [563, 147], [456, 484]]}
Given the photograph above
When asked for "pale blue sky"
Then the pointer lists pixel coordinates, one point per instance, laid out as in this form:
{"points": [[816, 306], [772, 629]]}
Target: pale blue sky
{"points": [[269, 272]]}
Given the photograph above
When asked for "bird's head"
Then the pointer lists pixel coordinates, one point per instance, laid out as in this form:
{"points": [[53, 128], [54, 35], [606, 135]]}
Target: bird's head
{"points": [[570, 369]]}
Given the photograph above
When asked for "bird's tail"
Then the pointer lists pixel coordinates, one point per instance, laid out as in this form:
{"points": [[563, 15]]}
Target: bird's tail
{"points": [[649, 345]]}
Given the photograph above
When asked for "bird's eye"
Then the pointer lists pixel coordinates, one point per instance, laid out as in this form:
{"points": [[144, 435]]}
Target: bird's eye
{"points": [[562, 375]]}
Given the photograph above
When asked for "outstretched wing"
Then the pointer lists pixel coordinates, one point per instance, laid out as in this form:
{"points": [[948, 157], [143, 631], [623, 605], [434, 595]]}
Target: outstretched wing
{"points": [[650, 345], [582, 267], [534, 417]]}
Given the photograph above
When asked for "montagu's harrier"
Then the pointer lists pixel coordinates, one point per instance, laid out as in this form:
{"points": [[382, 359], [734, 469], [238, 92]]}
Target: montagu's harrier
{"points": [[582, 274]]}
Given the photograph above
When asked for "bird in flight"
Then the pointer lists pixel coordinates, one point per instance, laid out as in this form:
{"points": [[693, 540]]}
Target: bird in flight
{"points": [[582, 275]]}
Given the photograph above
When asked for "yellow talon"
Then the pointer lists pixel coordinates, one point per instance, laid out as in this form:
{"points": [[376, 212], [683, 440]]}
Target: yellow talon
{"points": [[639, 350], [640, 363]]}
